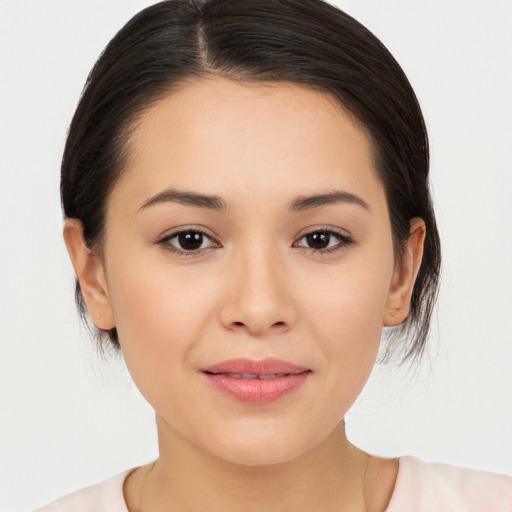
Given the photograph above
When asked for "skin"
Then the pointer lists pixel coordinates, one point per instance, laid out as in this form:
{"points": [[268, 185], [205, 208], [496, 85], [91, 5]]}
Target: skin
{"points": [[256, 288]]}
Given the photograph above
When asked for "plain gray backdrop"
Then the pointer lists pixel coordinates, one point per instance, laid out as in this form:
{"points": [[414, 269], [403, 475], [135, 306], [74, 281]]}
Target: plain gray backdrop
{"points": [[68, 420]]}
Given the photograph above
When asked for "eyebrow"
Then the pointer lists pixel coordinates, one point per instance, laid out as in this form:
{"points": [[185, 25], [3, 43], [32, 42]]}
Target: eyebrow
{"points": [[187, 199], [212, 202], [319, 200]]}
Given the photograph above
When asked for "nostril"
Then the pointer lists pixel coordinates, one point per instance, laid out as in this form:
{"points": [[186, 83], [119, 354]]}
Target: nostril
{"points": [[278, 324]]}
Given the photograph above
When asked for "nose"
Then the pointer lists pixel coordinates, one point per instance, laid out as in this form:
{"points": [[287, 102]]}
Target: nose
{"points": [[258, 297]]}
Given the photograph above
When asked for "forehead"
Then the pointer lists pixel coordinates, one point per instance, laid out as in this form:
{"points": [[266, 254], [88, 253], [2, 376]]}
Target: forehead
{"points": [[217, 136]]}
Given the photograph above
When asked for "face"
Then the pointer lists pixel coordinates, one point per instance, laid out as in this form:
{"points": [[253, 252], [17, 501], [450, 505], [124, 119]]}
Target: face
{"points": [[248, 266]]}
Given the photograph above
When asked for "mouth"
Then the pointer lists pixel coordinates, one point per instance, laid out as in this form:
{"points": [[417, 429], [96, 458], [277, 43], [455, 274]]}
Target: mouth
{"points": [[256, 382], [253, 375]]}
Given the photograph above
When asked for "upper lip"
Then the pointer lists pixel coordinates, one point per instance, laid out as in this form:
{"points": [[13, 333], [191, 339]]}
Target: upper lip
{"points": [[269, 366]]}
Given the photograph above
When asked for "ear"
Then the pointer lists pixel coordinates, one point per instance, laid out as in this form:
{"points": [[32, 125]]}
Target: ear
{"points": [[90, 273], [404, 276]]}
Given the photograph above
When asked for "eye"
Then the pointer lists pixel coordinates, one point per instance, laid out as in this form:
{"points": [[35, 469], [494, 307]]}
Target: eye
{"points": [[324, 240], [188, 241]]}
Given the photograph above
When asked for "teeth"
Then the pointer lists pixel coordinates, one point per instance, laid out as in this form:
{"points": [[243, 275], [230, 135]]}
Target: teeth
{"points": [[241, 375], [253, 375]]}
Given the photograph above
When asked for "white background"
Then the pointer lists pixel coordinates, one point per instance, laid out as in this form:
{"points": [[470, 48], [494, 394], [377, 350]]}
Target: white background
{"points": [[68, 420]]}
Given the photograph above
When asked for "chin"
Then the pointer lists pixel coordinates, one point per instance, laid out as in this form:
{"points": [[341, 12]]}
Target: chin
{"points": [[262, 448], [260, 456]]}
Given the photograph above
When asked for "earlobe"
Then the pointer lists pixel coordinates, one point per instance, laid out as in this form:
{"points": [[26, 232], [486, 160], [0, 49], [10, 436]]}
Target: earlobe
{"points": [[90, 273], [404, 277]]}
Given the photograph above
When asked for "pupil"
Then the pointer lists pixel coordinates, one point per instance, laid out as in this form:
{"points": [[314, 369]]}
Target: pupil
{"points": [[318, 240], [190, 240]]}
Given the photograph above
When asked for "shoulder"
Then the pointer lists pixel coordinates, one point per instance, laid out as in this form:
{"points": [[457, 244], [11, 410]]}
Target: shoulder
{"points": [[424, 487], [106, 496]]}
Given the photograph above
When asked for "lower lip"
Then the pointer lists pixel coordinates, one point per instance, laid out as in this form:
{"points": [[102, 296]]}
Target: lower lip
{"points": [[258, 391]]}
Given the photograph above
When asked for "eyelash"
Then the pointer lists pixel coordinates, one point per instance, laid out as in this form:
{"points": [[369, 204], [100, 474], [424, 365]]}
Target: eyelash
{"points": [[343, 241], [166, 242]]}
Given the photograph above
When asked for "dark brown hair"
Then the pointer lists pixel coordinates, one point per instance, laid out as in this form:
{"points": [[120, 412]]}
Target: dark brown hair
{"points": [[307, 42]]}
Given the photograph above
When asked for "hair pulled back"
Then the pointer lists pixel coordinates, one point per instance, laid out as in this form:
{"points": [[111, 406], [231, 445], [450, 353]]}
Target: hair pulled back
{"points": [[306, 42]]}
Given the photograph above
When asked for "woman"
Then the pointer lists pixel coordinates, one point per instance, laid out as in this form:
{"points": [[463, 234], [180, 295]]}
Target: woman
{"points": [[247, 205]]}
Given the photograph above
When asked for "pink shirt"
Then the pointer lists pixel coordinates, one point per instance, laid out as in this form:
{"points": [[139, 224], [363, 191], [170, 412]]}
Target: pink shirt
{"points": [[420, 487]]}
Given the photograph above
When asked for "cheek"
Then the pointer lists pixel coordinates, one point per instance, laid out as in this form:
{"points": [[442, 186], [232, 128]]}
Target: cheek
{"points": [[346, 318], [348, 307], [149, 296], [160, 318]]}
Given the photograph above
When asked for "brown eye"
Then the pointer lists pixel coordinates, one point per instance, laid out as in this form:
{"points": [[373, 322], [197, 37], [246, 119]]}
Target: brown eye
{"points": [[188, 241], [319, 240], [324, 241]]}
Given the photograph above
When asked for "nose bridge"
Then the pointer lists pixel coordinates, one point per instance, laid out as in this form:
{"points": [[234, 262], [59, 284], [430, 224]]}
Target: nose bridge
{"points": [[258, 295]]}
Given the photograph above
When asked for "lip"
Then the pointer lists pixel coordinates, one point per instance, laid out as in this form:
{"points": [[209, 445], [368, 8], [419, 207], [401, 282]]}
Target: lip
{"points": [[256, 382]]}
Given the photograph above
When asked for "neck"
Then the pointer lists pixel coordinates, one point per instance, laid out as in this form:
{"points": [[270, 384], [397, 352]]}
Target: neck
{"points": [[330, 477]]}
